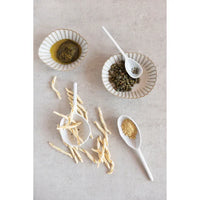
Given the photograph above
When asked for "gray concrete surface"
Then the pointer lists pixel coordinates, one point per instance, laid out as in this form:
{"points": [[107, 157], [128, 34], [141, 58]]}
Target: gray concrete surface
{"points": [[137, 26]]}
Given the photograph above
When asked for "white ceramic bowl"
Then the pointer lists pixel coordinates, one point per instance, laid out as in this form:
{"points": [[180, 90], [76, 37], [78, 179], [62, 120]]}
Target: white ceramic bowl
{"points": [[147, 80], [52, 38]]}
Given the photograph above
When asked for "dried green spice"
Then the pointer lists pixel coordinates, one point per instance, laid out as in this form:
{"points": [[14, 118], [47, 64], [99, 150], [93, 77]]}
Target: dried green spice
{"points": [[120, 79], [135, 70], [68, 52]]}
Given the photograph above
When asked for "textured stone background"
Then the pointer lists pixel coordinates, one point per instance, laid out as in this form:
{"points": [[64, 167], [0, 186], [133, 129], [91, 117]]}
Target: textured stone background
{"points": [[137, 26]]}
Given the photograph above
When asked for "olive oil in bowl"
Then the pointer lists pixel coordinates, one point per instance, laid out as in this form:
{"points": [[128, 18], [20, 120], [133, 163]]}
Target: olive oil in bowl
{"points": [[65, 51]]}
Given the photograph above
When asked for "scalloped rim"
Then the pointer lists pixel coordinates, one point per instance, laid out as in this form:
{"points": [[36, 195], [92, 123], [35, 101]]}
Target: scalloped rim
{"points": [[75, 64], [117, 93]]}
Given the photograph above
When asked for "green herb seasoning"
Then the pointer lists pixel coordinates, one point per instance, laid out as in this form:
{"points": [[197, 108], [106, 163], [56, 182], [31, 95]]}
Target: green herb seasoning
{"points": [[120, 79], [135, 70], [65, 51]]}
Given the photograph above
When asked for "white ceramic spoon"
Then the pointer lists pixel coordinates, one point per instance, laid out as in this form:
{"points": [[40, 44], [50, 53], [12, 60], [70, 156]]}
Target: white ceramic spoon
{"points": [[130, 64], [134, 143], [84, 128]]}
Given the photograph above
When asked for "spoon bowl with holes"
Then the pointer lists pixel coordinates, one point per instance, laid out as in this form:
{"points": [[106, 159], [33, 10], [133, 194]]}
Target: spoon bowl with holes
{"points": [[84, 129], [133, 68], [134, 144]]}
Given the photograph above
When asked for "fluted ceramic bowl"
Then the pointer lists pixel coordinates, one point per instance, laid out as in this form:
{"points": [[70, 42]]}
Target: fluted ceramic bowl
{"points": [[147, 80], [55, 36]]}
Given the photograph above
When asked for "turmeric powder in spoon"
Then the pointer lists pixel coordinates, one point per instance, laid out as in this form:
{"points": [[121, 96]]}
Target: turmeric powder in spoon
{"points": [[129, 128]]}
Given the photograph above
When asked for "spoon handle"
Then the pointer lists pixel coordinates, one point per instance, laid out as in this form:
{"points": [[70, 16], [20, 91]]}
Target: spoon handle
{"points": [[113, 40], [75, 97], [145, 164]]}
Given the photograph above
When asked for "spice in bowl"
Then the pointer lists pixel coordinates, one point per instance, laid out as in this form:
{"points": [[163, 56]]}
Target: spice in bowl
{"points": [[120, 79], [65, 51], [135, 70], [129, 128]]}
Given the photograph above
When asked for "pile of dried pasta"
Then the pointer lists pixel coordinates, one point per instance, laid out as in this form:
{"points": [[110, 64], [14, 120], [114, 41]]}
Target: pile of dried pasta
{"points": [[102, 146]]}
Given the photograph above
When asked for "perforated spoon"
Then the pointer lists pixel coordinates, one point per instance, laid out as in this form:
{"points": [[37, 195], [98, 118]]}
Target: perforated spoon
{"points": [[130, 64], [84, 128], [134, 143]]}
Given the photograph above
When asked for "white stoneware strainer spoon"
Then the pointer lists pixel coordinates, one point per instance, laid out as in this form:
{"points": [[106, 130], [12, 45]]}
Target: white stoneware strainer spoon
{"points": [[134, 143], [130, 64], [84, 128]]}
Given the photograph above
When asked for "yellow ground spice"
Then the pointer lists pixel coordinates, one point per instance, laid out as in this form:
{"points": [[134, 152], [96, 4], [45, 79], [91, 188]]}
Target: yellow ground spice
{"points": [[129, 128]]}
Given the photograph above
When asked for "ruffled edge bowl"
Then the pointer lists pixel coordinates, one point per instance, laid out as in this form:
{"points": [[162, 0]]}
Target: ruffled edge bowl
{"points": [[147, 80], [55, 36]]}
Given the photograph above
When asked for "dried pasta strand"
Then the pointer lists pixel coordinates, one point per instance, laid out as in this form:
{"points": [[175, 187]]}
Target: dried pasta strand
{"points": [[108, 158], [104, 154], [101, 155], [77, 154], [104, 159], [60, 150], [73, 125], [102, 120], [88, 155], [102, 131], [53, 82], [98, 153], [107, 154], [70, 98], [78, 110], [73, 130], [72, 152], [83, 110], [95, 150], [75, 133], [106, 163], [98, 142], [80, 107], [100, 128], [111, 168], [70, 93], [61, 115], [71, 116]]}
